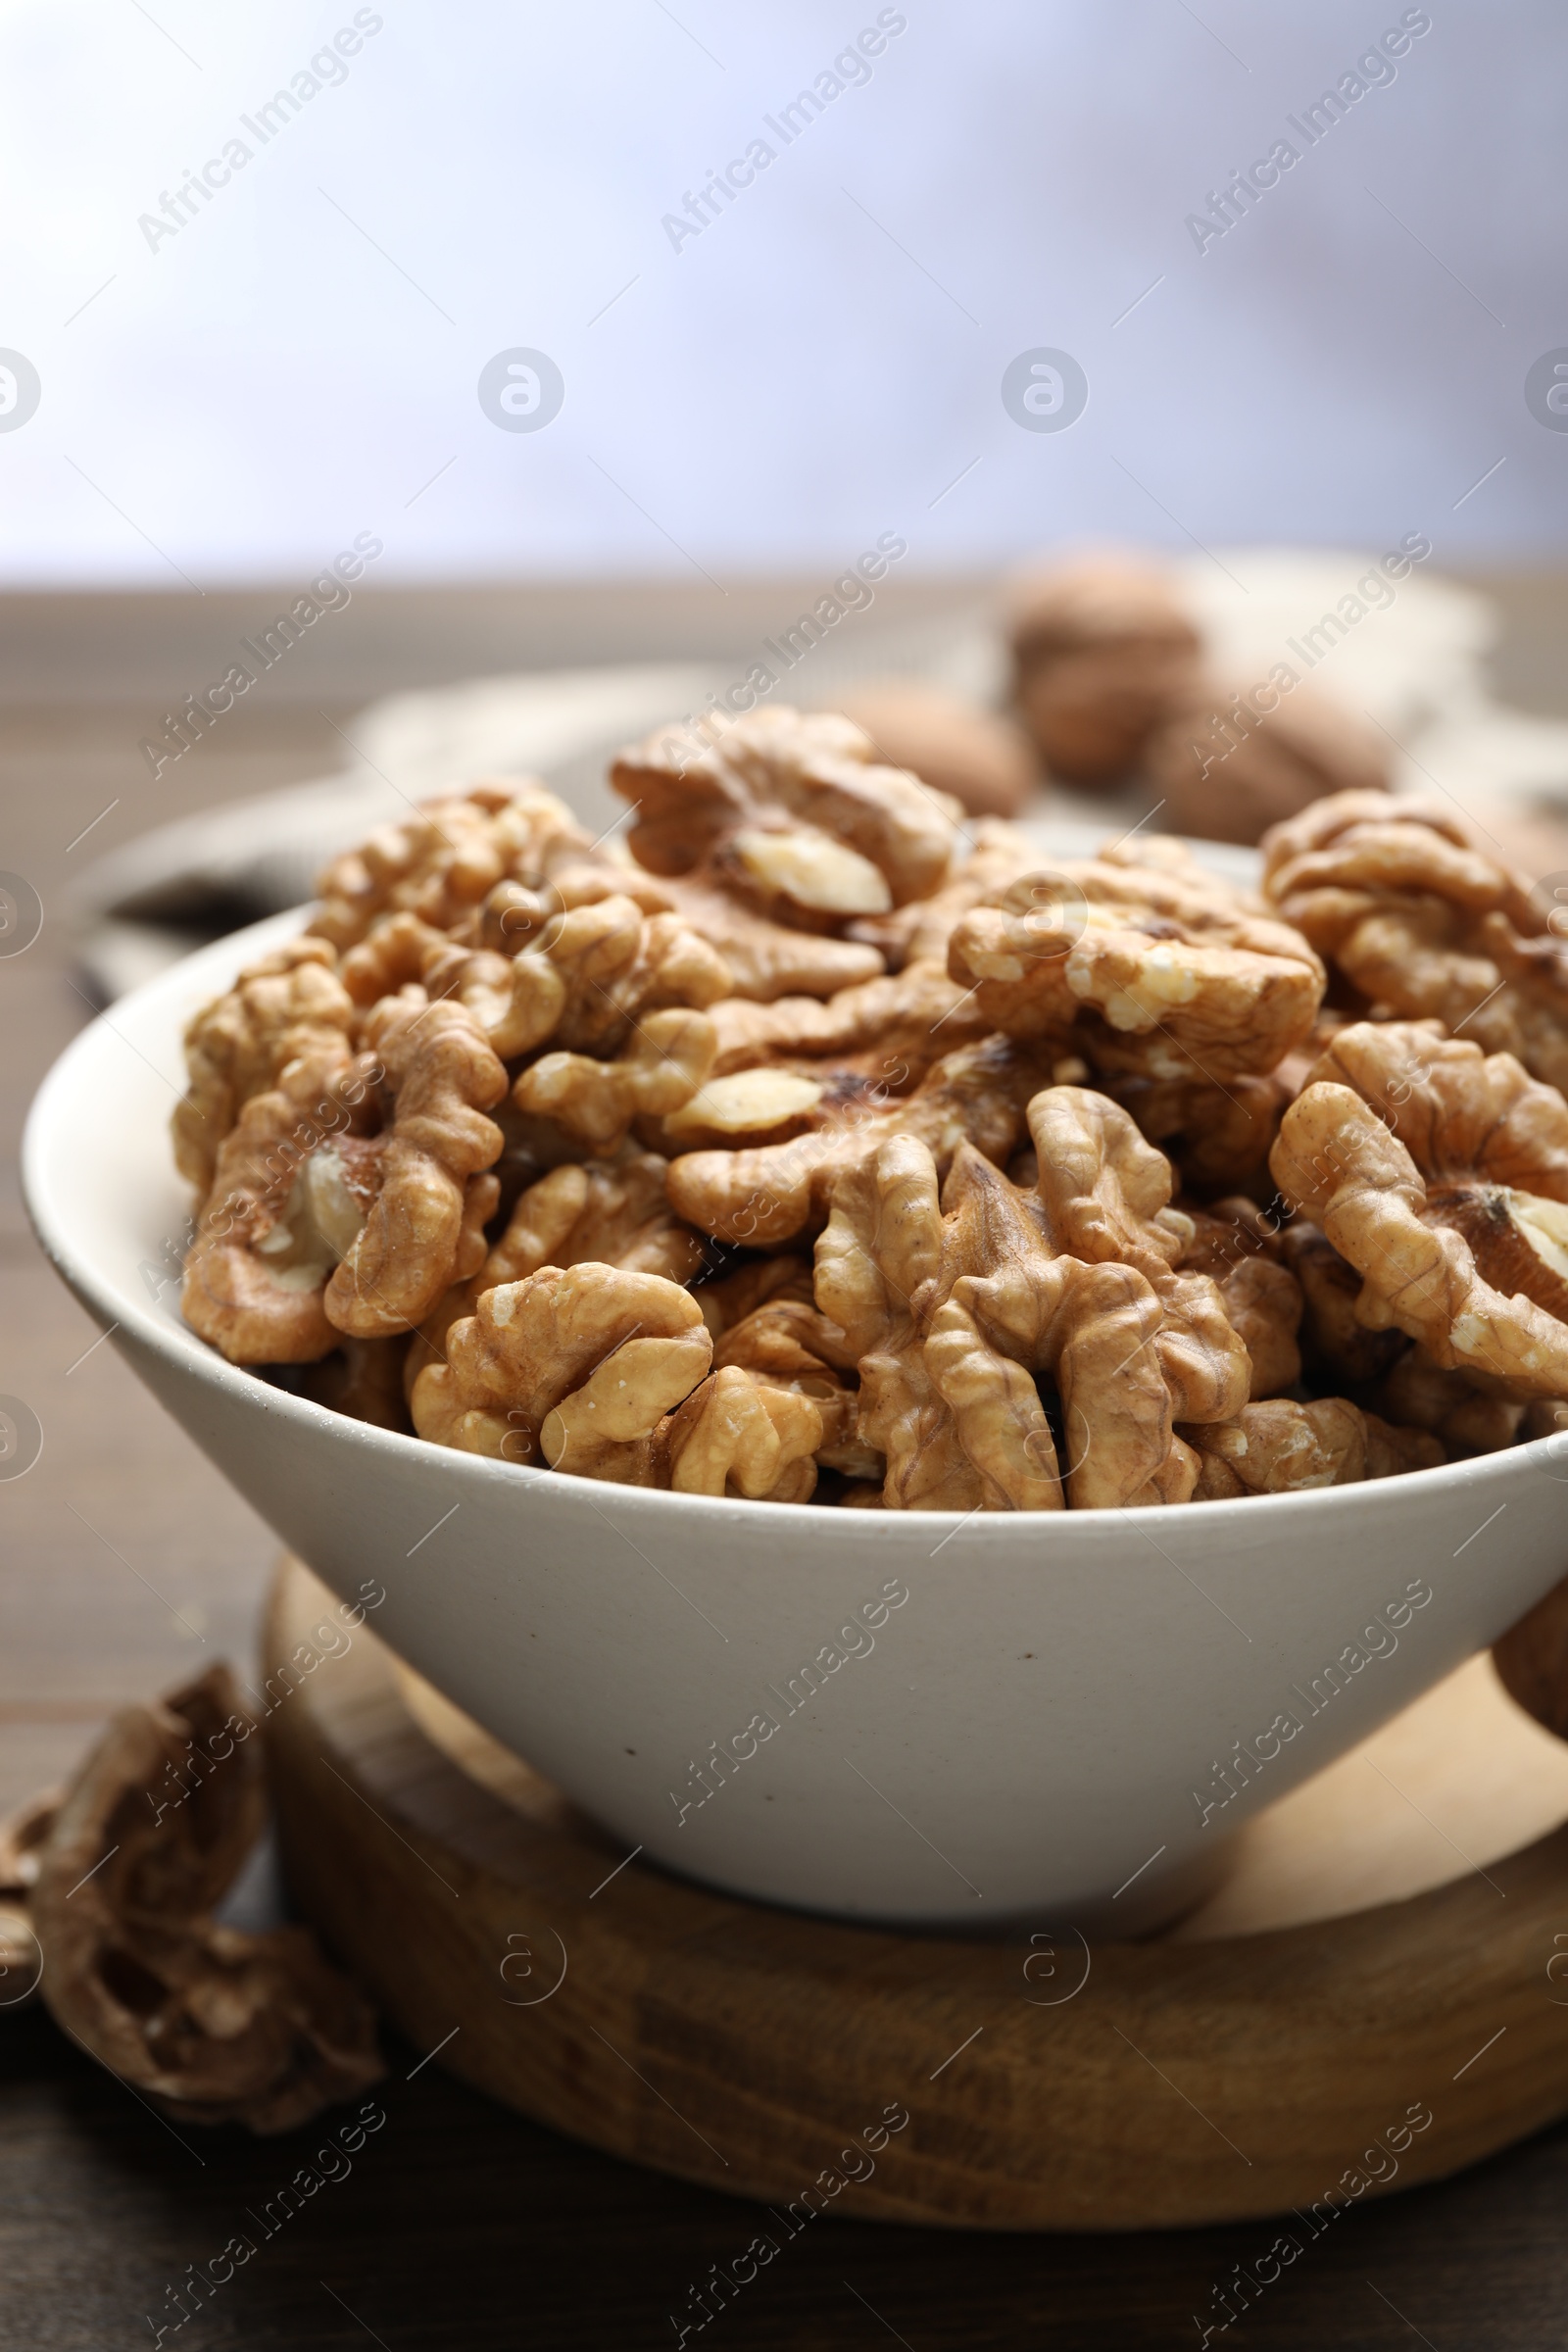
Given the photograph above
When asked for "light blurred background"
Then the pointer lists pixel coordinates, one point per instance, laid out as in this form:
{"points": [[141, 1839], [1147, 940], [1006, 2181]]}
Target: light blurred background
{"points": [[234, 400]]}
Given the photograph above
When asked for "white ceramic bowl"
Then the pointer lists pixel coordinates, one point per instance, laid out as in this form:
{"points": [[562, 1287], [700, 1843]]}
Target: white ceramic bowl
{"points": [[949, 1722]]}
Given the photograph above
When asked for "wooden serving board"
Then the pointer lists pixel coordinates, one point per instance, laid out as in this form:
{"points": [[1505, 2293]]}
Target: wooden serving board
{"points": [[1383, 1950]]}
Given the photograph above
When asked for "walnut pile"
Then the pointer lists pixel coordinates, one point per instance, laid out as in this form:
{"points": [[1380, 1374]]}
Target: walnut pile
{"points": [[804, 1148]]}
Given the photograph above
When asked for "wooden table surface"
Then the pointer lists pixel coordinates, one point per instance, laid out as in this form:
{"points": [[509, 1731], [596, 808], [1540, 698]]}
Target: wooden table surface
{"points": [[125, 1563]]}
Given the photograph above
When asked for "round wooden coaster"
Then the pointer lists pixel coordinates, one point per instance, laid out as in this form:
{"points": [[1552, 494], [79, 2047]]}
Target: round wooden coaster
{"points": [[1287, 2048]]}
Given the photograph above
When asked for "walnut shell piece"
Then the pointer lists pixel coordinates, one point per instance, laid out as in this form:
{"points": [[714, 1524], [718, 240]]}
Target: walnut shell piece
{"points": [[213, 2024], [23, 1835]]}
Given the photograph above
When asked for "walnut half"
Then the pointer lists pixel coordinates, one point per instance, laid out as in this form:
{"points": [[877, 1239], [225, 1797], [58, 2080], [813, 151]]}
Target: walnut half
{"points": [[214, 2025]]}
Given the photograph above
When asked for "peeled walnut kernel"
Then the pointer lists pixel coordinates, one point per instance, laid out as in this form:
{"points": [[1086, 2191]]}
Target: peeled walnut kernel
{"points": [[788, 1343], [666, 1058], [1418, 922], [737, 1434], [810, 870], [919, 932], [1280, 1447], [1520, 1242], [767, 1196], [1140, 971], [1240, 1250], [1461, 1408], [767, 959], [556, 1348], [895, 1026], [1337, 1160], [952, 1309], [749, 1106], [1066, 1332], [291, 1189], [768, 805], [441, 862], [291, 1004], [1464, 1115], [437, 1148], [1339, 1346], [611, 1213]]}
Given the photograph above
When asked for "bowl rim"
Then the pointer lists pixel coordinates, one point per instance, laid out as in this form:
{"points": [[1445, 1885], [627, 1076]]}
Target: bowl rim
{"points": [[172, 1340]]}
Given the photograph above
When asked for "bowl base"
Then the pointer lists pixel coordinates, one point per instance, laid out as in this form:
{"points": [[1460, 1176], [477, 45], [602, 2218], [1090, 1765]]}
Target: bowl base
{"points": [[1063, 2084]]}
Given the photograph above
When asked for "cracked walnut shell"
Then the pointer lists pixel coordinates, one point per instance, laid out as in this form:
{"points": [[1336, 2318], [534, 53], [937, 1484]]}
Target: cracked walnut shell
{"points": [[216, 2025]]}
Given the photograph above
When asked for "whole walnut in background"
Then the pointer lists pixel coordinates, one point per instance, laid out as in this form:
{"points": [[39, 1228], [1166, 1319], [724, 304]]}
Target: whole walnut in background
{"points": [[1103, 653], [1227, 770], [1113, 680]]}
